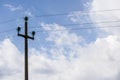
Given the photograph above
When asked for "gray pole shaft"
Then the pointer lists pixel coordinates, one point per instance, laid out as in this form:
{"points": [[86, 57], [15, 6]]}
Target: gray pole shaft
{"points": [[26, 51]]}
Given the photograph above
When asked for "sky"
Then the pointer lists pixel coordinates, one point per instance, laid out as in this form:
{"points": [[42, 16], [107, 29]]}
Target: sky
{"points": [[75, 40]]}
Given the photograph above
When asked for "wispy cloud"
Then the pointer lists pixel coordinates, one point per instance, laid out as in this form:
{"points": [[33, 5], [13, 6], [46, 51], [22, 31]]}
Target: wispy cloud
{"points": [[28, 13], [12, 7]]}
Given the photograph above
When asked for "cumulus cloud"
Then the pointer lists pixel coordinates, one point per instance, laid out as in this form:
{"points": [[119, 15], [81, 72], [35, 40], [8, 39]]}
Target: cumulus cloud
{"points": [[96, 61], [13, 8], [9, 58]]}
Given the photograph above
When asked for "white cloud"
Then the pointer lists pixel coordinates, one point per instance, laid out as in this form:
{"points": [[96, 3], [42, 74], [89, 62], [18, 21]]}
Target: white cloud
{"points": [[13, 8], [60, 35], [100, 11], [96, 61], [69, 61], [79, 17], [112, 15], [28, 13], [10, 61]]}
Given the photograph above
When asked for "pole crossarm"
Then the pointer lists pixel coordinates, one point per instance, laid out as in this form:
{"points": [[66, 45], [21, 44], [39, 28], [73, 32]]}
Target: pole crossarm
{"points": [[26, 36]]}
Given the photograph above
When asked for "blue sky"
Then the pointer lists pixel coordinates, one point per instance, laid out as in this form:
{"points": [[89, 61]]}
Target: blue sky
{"points": [[59, 53], [38, 8]]}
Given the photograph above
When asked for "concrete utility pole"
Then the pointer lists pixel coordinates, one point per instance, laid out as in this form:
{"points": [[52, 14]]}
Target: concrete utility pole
{"points": [[26, 37]]}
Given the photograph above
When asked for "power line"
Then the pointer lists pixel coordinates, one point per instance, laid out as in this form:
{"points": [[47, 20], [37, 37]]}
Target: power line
{"points": [[72, 25], [6, 31], [7, 36], [91, 23], [62, 14], [84, 23], [69, 29], [79, 28], [10, 30], [59, 14], [8, 21]]}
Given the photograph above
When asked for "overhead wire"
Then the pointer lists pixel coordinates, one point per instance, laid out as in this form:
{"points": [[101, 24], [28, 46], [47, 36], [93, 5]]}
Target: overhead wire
{"points": [[69, 29], [6, 31], [59, 14], [83, 23], [48, 15], [78, 28], [7, 36], [7, 21], [10, 20], [90, 23], [62, 14]]}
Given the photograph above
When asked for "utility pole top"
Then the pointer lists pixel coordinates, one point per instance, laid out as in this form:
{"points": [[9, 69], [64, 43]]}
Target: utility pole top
{"points": [[26, 18]]}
